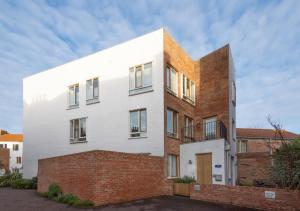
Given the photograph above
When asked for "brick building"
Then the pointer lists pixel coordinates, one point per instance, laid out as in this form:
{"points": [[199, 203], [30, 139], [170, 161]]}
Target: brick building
{"points": [[145, 96], [254, 149]]}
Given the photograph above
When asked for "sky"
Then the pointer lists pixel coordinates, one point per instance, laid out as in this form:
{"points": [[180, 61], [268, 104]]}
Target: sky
{"points": [[264, 37]]}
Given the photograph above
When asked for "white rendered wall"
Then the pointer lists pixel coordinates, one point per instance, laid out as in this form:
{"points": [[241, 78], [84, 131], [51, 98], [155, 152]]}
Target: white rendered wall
{"points": [[46, 118], [189, 151], [14, 154]]}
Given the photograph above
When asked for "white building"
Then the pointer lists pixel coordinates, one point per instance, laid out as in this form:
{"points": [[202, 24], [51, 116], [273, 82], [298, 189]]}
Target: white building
{"points": [[117, 100], [13, 142]]}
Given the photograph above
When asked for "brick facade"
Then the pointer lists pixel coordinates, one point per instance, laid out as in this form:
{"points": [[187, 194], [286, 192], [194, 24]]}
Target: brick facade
{"points": [[105, 177], [4, 158], [251, 197], [253, 166]]}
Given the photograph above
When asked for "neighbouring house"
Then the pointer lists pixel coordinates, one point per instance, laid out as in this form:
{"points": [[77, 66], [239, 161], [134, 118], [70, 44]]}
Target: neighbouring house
{"points": [[11, 151], [145, 99], [254, 150]]}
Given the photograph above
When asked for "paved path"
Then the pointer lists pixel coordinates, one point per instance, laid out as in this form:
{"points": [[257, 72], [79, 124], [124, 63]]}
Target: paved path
{"points": [[28, 200]]}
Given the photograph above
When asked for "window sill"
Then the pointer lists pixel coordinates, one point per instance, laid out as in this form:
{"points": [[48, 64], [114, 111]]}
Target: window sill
{"points": [[171, 178], [139, 137], [173, 137], [172, 92], [188, 100], [78, 142], [140, 90], [72, 107], [92, 101]]}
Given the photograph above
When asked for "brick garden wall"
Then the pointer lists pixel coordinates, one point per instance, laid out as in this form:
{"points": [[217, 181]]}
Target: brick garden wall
{"points": [[4, 158], [251, 197], [253, 166], [105, 177]]}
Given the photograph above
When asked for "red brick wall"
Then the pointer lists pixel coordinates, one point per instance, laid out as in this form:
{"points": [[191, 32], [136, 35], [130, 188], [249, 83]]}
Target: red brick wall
{"points": [[251, 197], [105, 177], [4, 158], [253, 166]]}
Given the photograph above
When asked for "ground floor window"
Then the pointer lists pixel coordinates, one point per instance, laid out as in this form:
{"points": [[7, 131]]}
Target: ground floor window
{"points": [[19, 160], [138, 123], [242, 146], [172, 166], [78, 130]]}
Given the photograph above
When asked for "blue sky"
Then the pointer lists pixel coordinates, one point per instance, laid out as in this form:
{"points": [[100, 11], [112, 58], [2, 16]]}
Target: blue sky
{"points": [[264, 37]]}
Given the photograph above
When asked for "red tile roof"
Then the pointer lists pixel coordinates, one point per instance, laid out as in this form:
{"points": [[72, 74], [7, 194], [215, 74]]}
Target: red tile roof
{"points": [[11, 138], [263, 133]]}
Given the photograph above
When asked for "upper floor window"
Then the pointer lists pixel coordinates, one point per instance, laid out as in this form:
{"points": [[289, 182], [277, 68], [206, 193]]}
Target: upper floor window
{"points": [[138, 123], [242, 146], [78, 130], [188, 89], [15, 147], [210, 128], [3, 146], [233, 93], [172, 84], [172, 118], [188, 129], [140, 78], [92, 91], [74, 96]]}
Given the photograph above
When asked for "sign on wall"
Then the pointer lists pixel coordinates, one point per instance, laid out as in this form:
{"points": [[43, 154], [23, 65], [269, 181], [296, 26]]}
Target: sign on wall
{"points": [[270, 194]]}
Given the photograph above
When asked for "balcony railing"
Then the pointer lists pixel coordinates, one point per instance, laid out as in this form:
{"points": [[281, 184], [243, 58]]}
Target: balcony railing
{"points": [[206, 131]]}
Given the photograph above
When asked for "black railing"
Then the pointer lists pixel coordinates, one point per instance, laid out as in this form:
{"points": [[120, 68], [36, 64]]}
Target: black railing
{"points": [[206, 131]]}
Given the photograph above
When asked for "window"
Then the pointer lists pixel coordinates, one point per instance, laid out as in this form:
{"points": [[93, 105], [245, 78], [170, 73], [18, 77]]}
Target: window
{"points": [[233, 93], [138, 123], [74, 96], [140, 78], [15, 170], [92, 91], [3, 146], [15, 147], [19, 160], [78, 130], [242, 146], [188, 129], [188, 89], [210, 128], [172, 123], [172, 166], [172, 84]]}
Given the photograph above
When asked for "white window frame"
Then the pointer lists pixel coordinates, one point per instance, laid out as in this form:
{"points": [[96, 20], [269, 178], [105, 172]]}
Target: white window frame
{"points": [[242, 146], [80, 137], [133, 88], [171, 159], [94, 98], [18, 159], [188, 128], [189, 96], [76, 98], [139, 133], [15, 147], [170, 87], [174, 118]]}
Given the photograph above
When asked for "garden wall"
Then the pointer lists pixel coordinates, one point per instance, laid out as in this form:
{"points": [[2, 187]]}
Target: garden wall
{"points": [[105, 177], [251, 197]]}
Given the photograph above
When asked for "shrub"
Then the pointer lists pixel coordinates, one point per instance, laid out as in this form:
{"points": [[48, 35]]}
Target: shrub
{"points": [[54, 191], [83, 203], [22, 184], [68, 199], [5, 181], [185, 179]]}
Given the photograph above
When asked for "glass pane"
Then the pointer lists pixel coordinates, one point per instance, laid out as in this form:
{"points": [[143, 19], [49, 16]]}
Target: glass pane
{"points": [[89, 89], [192, 91], [173, 81], [71, 96], [169, 165], [83, 127], [174, 166], [174, 122], [188, 88], [96, 88], [168, 78], [76, 128], [71, 129], [143, 120], [183, 85], [147, 74], [138, 77], [77, 95], [134, 121], [131, 78], [170, 121]]}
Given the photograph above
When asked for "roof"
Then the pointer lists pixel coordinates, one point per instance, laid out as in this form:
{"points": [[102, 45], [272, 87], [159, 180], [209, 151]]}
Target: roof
{"points": [[263, 133], [11, 138]]}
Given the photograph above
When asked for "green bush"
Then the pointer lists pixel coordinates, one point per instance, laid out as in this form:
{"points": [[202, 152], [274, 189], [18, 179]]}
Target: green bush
{"points": [[54, 191], [15, 180], [83, 203], [185, 179], [68, 199], [22, 184], [5, 181]]}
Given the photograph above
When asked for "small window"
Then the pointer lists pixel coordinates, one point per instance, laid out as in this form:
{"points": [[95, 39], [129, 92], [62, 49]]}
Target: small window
{"points": [[172, 84], [242, 146], [92, 91], [172, 117], [188, 89], [15, 147], [188, 129], [172, 166], [233, 94], [19, 160], [210, 128], [74, 96], [78, 130], [138, 123], [140, 78]]}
